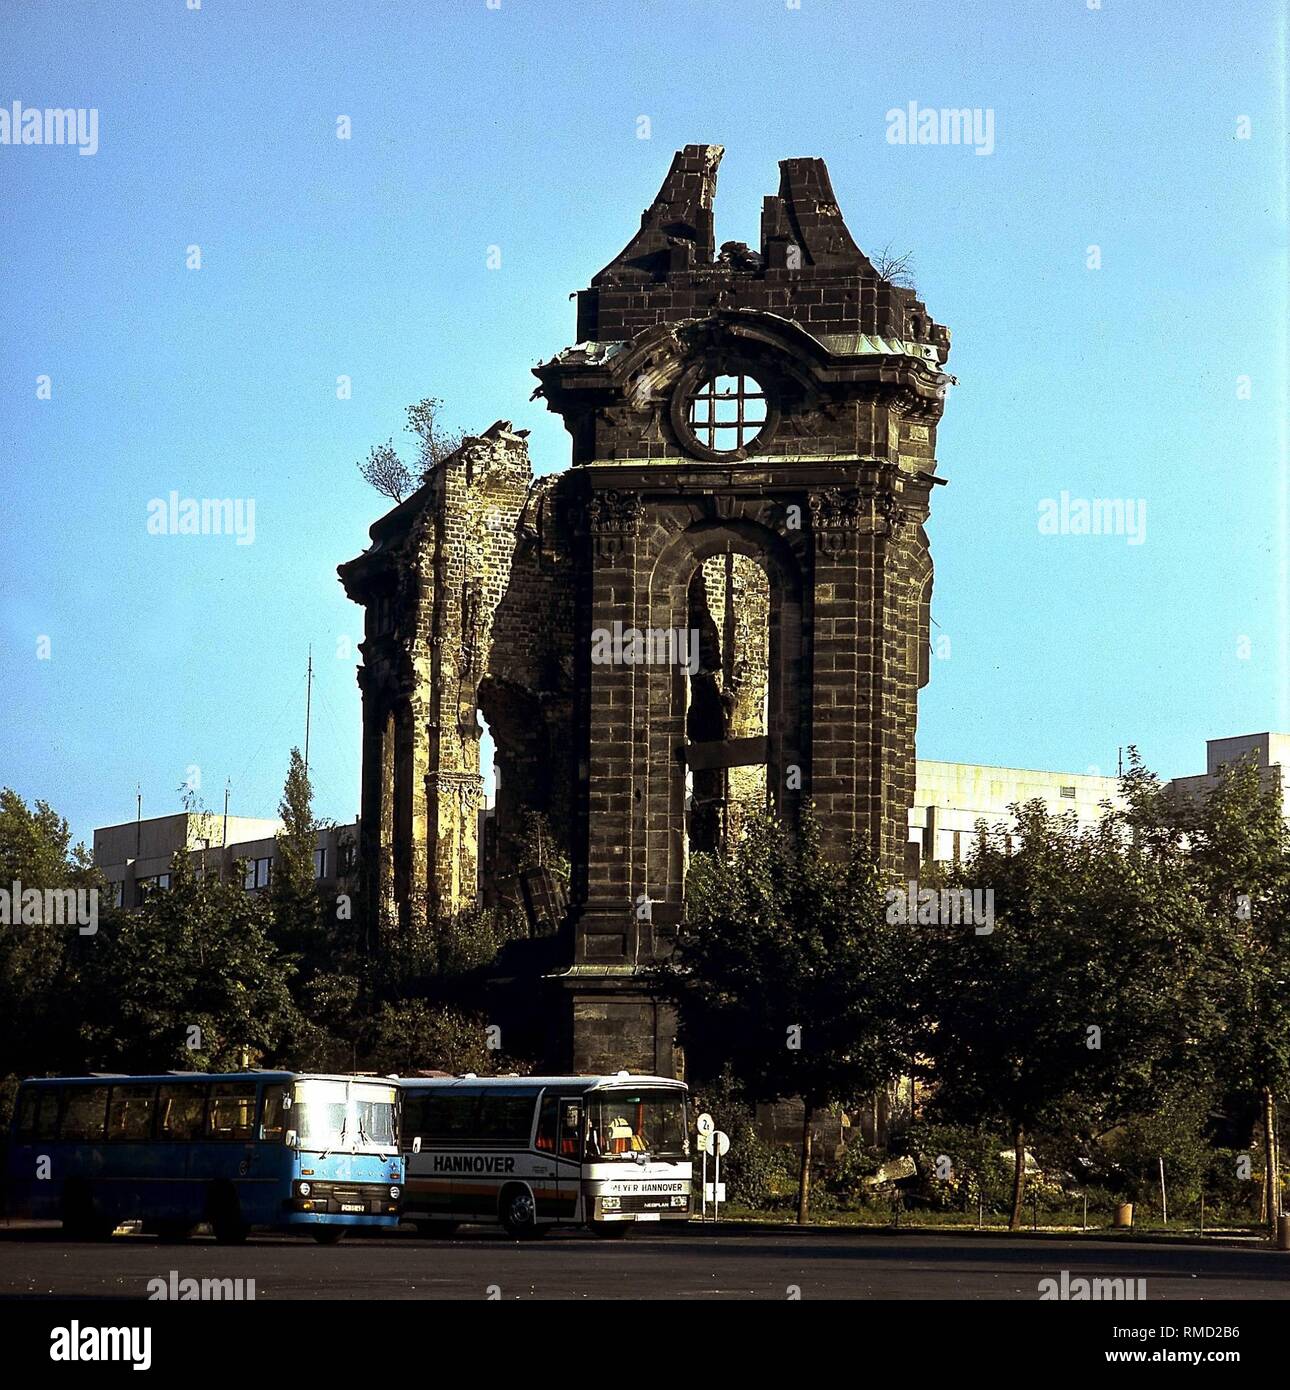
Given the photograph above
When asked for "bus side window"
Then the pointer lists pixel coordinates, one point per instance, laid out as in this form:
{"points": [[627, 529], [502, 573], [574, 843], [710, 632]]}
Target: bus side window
{"points": [[571, 1129], [452, 1116], [182, 1109], [273, 1124], [28, 1109], [130, 1113], [83, 1114], [548, 1119], [232, 1111], [414, 1120], [51, 1102], [505, 1119]]}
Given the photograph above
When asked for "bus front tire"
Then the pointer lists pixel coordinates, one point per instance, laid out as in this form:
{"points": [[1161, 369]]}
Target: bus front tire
{"points": [[519, 1214], [328, 1235]]}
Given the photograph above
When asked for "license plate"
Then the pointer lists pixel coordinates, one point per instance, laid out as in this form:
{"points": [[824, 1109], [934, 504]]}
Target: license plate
{"points": [[353, 1206], [647, 1216]]}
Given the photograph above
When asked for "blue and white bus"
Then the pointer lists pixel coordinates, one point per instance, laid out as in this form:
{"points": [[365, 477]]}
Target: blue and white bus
{"points": [[535, 1152], [236, 1150]]}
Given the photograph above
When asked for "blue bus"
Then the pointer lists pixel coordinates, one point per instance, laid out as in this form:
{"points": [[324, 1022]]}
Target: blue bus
{"points": [[235, 1150]]}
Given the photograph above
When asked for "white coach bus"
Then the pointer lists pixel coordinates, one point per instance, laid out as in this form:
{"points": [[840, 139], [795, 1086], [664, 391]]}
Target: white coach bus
{"points": [[540, 1151]]}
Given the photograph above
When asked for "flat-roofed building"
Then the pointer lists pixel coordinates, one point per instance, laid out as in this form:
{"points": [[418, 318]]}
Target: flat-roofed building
{"points": [[136, 856], [1269, 752], [949, 799]]}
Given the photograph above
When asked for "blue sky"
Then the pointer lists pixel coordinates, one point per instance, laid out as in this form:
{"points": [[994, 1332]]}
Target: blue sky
{"points": [[517, 127]]}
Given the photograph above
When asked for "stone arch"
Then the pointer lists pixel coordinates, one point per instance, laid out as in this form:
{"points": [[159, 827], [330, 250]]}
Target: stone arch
{"points": [[522, 761], [664, 690]]}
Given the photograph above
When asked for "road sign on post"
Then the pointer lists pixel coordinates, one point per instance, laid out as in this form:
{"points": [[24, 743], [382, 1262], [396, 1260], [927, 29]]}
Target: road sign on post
{"points": [[710, 1140], [704, 1125], [720, 1147]]}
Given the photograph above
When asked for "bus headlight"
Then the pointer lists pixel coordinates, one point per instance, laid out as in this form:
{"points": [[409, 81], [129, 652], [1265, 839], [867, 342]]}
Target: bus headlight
{"points": [[304, 1188], [611, 1204], [394, 1193]]}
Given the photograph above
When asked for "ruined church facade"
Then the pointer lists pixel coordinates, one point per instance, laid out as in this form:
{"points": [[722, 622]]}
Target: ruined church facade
{"points": [[723, 604]]}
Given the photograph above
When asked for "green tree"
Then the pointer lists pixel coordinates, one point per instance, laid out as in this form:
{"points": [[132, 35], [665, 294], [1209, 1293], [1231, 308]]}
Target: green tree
{"points": [[787, 970], [301, 924], [39, 961], [192, 979], [1237, 845], [412, 1035], [1083, 998]]}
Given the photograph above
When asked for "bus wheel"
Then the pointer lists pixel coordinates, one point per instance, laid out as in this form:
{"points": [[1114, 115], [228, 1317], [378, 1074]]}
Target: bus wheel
{"points": [[610, 1230], [519, 1214], [328, 1235], [225, 1218], [80, 1220], [435, 1230]]}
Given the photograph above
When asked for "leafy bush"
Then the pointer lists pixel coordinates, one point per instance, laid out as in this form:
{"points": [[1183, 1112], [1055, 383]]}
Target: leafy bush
{"points": [[757, 1174]]}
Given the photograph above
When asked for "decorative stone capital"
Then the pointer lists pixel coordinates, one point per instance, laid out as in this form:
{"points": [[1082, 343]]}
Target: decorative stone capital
{"points": [[839, 514], [466, 787], [613, 517]]}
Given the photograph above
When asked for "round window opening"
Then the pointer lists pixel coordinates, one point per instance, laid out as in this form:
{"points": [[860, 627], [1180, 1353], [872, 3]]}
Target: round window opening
{"points": [[726, 413]]}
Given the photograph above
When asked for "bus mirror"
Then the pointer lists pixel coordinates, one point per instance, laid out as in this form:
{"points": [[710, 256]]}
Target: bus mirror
{"points": [[416, 1143], [291, 1139]]}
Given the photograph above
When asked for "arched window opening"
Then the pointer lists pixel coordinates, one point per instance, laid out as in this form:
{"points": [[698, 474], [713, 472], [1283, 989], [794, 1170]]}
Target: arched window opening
{"points": [[727, 712]]}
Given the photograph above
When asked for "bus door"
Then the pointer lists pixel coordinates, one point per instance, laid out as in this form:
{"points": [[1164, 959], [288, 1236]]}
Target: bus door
{"points": [[229, 1156], [569, 1149]]}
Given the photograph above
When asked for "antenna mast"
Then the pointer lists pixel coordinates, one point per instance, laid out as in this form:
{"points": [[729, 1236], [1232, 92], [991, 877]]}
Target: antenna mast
{"points": [[309, 693]]}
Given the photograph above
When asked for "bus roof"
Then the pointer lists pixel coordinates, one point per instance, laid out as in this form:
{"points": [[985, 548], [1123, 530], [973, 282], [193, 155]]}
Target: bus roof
{"points": [[105, 1078], [537, 1083]]}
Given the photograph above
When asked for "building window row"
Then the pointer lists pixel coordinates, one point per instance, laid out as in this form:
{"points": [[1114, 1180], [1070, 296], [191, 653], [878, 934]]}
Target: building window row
{"points": [[258, 873], [152, 884]]}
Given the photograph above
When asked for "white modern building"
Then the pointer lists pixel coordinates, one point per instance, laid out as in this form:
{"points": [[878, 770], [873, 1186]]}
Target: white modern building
{"points": [[136, 855], [950, 798]]}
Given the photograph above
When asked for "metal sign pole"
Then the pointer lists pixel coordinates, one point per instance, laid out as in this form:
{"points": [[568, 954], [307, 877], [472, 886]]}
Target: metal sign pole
{"points": [[704, 1128], [716, 1183]]}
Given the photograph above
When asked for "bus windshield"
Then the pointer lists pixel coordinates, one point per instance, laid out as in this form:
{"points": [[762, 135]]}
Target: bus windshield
{"points": [[344, 1115], [628, 1124]]}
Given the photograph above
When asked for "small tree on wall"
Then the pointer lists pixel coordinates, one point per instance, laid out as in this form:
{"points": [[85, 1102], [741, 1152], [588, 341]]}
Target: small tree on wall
{"points": [[386, 470]]}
